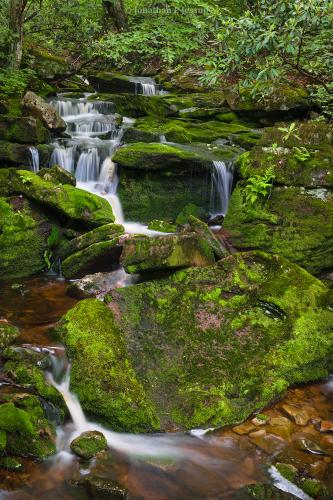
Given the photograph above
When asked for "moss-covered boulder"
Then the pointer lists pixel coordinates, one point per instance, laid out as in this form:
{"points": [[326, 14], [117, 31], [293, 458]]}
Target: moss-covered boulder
{"points": [[207, 346], [58, 175], [14, 154], [294, 222], [36, 106], [72, 205], [88, 444], [159, 157], [23, 238], [142, 253], [23, 130], [8, 333], [112, 82], [101, 256], [206, 233], [303, 159], [146, 195], [282, 98], [27, 431], [101, 374], [162, 226]]}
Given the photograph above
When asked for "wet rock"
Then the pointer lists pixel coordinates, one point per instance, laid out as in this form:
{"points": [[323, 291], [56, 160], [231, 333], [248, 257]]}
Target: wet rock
{"points": [[263, 492], [281, 426], [269, 443], [88, 444], [23, 130], [198, 349], [245, 428], [298, 415], [326, 426], [8, 333], [37, 107], [112, 82], [288, 471], [162, 226], [142, 253], [14, 154], [100, 284], [58, 175], [260, 420], [310, 446], [204, 232], [30, 356], [312, 487]]}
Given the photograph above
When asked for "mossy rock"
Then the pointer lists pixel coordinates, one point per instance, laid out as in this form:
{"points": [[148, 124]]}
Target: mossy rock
{"points": [[142, 253], [8, 333], [293, 222], [112, 82], [207, 346], [103, 233], [282, 98], [158, 157], [10, 464], [88, 444], [146, 195], [101, 375], [23, 130], [23, 238], [46, 64], [162, 226], [57, 175], [98, 257], [206, 233], [304, 159], [27, 355], [14, 154], [72, 205], [190, 210], [261, 491], [36, 106], [27, 430]]}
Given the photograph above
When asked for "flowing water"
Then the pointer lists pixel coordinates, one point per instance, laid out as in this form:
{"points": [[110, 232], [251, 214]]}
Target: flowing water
{"points": [[221, 189], [34, 159], [198, 465], [146, 86]]}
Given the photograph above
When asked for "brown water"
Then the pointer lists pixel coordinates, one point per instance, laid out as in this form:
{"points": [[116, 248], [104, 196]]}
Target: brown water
{"points": [[215, 466]]}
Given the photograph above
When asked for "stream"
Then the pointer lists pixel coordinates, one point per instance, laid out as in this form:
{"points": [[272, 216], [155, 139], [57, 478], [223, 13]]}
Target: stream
{"points": [[196, 465]]}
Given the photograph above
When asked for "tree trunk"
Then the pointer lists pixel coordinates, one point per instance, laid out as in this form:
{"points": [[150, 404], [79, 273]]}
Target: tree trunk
{"points": [[115, 11], [16, 23]]}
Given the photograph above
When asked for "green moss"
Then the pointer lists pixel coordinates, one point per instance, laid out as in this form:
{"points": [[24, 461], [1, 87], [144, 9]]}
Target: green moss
{"points": [[3, 440], [57, 175], [24, 130], [142, 253], [29, 375], [10, 463], [102, 375], [294, 223], [8, 333], [88, 444], [95, 257], [187, 211], [312, 487], [14, 419], [288, 471], [73, 205], [162, 226]]}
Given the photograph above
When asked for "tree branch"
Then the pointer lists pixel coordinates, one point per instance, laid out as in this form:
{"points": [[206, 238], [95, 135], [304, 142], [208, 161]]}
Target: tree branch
{"points": [[314, 78]]}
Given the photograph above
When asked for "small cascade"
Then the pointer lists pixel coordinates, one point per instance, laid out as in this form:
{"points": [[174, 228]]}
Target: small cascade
{"points": [[144, 85], [221, 187], [151, 447], [88, 166], [34, 159]]}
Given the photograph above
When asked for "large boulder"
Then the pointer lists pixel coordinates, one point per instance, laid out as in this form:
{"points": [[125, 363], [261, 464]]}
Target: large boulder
{"points": [[88, 444], [13, 154], [23, 130], [294, 222], [142, 253], [36, 106], [112, 82], [303, 159], [58, 175], [72, 205], [205, 347]]}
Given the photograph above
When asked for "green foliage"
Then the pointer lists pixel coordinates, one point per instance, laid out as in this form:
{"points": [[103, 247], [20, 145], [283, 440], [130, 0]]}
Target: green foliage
{"points": [[16, 83], [301, 154], [289, 132], [259, 187]]}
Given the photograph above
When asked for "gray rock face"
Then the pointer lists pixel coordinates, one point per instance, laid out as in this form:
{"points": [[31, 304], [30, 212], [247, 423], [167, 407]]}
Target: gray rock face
{"points": [[37, 107]]}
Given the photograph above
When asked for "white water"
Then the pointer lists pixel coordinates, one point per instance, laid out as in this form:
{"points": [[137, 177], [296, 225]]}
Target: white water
{"points": [[145, 85], [284, 485], [222, 181], [88, 156], [34, 158]]}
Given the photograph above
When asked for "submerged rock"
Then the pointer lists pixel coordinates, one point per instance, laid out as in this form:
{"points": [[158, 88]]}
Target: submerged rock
{"points": [[88, 444], [37, 107], [142, 253], [203, 348]]}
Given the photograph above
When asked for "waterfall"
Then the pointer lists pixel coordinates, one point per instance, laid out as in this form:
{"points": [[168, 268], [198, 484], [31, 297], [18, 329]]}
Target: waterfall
{"points": [[63, 156], [221, 188], [34, 158], [88, 166], [145, 85]]}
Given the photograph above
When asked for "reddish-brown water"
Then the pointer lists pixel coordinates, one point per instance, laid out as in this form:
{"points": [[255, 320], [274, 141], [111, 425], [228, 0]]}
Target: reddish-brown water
{"points": [[215, 466]]}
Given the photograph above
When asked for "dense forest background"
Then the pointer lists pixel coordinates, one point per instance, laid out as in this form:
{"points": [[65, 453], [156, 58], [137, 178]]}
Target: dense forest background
{"points": [[256, 43]]}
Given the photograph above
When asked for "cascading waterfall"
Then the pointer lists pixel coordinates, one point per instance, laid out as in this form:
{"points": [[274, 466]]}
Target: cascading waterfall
{"points": [[221, 187], [87, 153], [145, 85], [34, 158]]}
